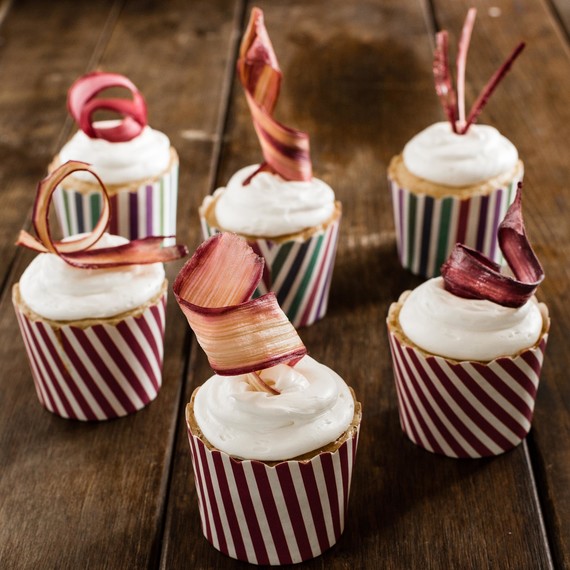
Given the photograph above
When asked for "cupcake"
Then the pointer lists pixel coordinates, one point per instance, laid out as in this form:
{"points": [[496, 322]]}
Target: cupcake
{"points": [[468, 348], [137, 164], [91, 312], [273, 433], [285, 214], [454, 181]]}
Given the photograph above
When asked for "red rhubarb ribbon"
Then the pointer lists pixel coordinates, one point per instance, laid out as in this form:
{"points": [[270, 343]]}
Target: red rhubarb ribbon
{"points": [[78, 252], [453, 102], [82, 103], [468, 273], [239, 335], [443, 80], [285, 150]]}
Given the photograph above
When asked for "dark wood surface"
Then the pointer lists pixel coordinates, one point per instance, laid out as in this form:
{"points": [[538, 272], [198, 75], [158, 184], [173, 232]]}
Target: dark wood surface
{"points": [[357, 76]]}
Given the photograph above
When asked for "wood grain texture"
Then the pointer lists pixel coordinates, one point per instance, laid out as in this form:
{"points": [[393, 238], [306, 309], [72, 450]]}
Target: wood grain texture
{"points": [[531, 108], [93, 495], [561, 11], [40, 55], [357, 77]]}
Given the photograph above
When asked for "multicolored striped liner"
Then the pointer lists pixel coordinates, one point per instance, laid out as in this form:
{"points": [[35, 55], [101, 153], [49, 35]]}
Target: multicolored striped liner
{"points": [[428, 228], [136, 212], [280, 514], [96, 372], [466, 409], [299, 271]]}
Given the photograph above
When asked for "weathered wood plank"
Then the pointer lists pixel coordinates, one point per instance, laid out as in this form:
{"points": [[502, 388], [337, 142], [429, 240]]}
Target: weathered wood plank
{"points": [[93, 495], [560, 11], [531, 108], [40, 55], [357, 76]]}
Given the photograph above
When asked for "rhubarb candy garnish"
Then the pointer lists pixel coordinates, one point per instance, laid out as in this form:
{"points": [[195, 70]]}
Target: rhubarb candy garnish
{"points": [[454, 103], [443, 80], [239, 335], [468, 273], [77, 251], [82, 103], [285, 150]]}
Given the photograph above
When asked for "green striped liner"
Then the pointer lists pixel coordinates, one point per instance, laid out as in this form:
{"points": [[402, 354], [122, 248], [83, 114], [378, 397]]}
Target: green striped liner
{"points": [[298, 271], [147, 210], [428, 228]]}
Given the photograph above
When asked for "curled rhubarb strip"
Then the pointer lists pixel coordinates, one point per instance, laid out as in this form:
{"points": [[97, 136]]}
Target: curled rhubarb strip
{"points": [[259, 385], [452, 101], [77, 251], [285, 150], [82, 103], [239, 335], [490, 87], [443, 82], [469, 274], [461, 63]]}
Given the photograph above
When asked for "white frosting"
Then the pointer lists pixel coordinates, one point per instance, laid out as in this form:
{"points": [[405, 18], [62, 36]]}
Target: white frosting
{"points": [[56, 290], [441, 156], [313, 409], [270, 206], [467, 329], [145, 156]]}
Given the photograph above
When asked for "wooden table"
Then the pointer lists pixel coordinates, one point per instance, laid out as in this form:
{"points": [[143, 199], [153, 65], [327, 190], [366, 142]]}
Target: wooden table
{"points": [[358, 78]]}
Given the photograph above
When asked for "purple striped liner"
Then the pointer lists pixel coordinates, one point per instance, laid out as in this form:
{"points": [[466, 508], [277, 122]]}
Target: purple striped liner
{"points": [[280, 514], [298, 271], [97, 372], [428, 228], [466, 409], [136, 212]]}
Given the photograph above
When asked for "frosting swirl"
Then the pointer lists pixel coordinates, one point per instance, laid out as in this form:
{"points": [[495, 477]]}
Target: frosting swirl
{"points": [[467, 329], [270, 206], [56, 290], [145, 156], [313, 409], [439, 155]]}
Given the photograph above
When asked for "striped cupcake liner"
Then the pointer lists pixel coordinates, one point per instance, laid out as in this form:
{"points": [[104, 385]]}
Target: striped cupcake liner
{"points": [[466, 409], [299, 272], [149, 210], [428, 228], [283, 514], [98, 372]]}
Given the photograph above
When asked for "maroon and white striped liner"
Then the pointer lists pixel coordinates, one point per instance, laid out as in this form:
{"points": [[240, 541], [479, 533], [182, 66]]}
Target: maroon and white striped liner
{"points": [[98, 372], [284, 514], [466, 409]]}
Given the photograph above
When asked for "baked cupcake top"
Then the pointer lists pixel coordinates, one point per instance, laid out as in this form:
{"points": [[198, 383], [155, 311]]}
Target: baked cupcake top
{"points": [[280, 196], [467, 329], [442, 156], [267, 400], [460, 153], [120, 150], [144, 156], [270, 206], [92, 275], [312, 408], [55, 290]]}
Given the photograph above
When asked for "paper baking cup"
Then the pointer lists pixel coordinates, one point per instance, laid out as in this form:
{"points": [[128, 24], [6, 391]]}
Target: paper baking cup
{"points": [[428, 228], [146, 210], [98, 372], [283, 514], [298, 271], [466, 409]]}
